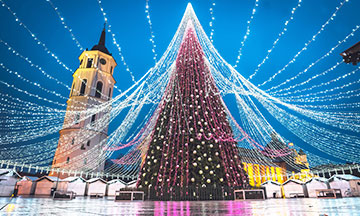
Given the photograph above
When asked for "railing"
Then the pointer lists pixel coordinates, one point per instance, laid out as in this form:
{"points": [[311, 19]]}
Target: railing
{"points": [[249, 194], [328, 193], [129, 195], [64, 195], [190, 193]]}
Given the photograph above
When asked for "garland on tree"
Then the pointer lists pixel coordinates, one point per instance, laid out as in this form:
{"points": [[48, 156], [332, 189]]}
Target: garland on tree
{"points": [[192, 144]]}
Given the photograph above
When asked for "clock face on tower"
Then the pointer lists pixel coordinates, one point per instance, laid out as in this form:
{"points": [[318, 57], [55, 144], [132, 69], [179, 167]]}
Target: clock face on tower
{"points": [[102, 61]]}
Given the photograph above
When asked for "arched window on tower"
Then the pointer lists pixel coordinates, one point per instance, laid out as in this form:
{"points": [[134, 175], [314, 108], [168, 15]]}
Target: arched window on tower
{"points": [[93, 118], [111, 70], [67, 160], [83, 87], [109, 93], [99, 86]]}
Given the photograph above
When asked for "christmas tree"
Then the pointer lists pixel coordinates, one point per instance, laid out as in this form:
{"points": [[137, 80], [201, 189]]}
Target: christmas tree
{"points": [[192, 146]]}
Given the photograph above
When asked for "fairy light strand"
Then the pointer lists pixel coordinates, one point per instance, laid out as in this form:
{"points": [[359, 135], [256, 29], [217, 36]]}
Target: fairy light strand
{"points": [[115, 42], [149, 90], [319, 85], [332, 17], [212, 17], [314, 63], [152, 35], [39, 42], [277, 39], [62, 20], [247, 33]]}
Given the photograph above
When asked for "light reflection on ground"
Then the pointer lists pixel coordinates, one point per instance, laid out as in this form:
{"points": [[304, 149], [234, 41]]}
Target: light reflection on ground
{"points": [[106, 206]]}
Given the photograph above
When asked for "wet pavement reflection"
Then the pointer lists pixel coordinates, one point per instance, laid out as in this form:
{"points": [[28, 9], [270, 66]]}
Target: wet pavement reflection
{"points": [[107, 206]]}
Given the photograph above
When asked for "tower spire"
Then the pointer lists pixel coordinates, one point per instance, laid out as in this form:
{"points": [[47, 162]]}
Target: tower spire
{"points": [[101, 45], [102, 37]]}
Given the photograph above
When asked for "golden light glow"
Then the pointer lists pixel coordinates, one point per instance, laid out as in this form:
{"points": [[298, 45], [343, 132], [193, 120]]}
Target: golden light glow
{"points": [[10, 208], [279, 174]]}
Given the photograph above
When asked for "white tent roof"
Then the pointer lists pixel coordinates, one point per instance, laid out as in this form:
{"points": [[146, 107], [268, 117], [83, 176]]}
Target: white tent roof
{"points": [[51, 178], [271, 182], [73, 178], [115, 181], [320, 179], [95, 179], [9, 172], [346, 177], [30, 178], [131, 183], [293, 180]]}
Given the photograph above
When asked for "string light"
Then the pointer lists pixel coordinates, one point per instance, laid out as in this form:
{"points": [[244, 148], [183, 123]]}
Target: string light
{"points": [[277, 39], [28, 105], [152, 89], [327, 98], [62, 20], [41, 70], [114, 41], [247, 32], [152, 36], [35, 38], [319, 85], [211, 23], [332, 106], [332, 17], [30, 82], [47, 50], [329, 90], [323, 136], [12, 50], [30, 94], [314, 63]]}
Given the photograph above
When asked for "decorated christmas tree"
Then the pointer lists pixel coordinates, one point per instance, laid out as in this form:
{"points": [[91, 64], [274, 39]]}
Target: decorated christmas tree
{"points": [[192, 146]]}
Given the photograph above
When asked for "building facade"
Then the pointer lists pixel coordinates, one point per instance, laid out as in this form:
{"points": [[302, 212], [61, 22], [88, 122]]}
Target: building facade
{"points": [[259, 172]]}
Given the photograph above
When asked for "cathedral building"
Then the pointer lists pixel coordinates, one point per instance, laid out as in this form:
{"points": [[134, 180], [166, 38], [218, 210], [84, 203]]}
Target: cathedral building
{"points": [[85, 128], [294, 165]]}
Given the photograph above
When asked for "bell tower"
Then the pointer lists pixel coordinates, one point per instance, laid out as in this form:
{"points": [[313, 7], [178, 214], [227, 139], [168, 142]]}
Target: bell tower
{"points": [[85, 127]]}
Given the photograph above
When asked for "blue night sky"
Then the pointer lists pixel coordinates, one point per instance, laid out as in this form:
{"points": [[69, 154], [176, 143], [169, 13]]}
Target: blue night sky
{"points": [[129, 23]]}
